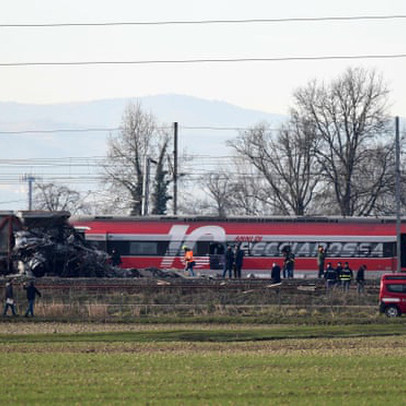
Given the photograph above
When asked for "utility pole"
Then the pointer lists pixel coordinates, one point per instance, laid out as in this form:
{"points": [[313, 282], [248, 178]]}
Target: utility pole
{"points": [[175, 168], [30, 179], [397, 164], [145, 185]]}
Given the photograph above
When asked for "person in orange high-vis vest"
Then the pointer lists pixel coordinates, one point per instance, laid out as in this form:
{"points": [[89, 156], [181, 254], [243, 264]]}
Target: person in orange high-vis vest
{"points": [[189, 261]]}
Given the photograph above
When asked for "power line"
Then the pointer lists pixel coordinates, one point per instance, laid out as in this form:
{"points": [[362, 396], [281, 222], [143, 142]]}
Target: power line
{"points": [[113, 129], [58, 159], [209, 21], [205, 60], [87, 161], [214, 128], [62, 130], [187, 175], [12, 201]]}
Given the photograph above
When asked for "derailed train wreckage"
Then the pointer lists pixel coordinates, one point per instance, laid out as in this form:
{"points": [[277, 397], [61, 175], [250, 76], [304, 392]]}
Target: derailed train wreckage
{"points": [[42, 243], [36, 243], [60, 252]]}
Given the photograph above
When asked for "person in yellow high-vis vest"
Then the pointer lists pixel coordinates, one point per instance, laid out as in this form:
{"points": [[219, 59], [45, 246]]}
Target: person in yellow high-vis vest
{"points": [[346, 275]]}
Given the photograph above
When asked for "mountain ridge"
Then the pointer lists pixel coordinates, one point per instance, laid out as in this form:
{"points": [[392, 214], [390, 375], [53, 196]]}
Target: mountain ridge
{"points": [[107, 113], [165, 107]]}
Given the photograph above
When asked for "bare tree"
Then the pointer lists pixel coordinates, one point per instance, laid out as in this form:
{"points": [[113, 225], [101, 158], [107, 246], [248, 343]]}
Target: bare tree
{"points": [[51, 197], [286, 162], [139, 139], [385, 202], [249, 193], [104, 202], [218, 186], [349, 116]]}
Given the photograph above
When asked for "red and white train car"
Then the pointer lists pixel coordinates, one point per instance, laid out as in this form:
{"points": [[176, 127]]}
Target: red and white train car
{"points": [[158, 241]]}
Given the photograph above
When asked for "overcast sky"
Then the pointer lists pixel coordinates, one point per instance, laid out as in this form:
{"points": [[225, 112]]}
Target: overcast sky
{"points": [[265, 86]]}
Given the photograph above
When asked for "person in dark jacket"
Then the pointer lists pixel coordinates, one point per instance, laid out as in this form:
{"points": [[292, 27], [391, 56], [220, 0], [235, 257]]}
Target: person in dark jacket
{"points": [[9, 300], [238, 261], [32, 291], [115, 258], [339, 269], [288, 262], [276, 273], [228, 262], [330, 276], [360, 278], [321, 256], [289, 265]]}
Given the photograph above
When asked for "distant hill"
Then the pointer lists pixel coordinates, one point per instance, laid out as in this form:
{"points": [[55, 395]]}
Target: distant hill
{"points": [[186, 110]]}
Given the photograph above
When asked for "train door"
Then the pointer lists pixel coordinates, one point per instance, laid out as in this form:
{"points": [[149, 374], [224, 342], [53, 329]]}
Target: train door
{"points": [[8, 225], [216, 255], [403, 250], [4, 243]]}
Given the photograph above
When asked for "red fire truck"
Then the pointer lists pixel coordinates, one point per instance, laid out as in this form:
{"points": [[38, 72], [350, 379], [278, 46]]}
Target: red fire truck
{"points": [[392, 294]]}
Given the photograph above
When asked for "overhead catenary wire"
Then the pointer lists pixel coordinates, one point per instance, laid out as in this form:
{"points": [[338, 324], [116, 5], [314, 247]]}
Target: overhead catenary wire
{"points": [[205, 60], [86, 160], [115, 129], [61, 130], [208, 21], [82, 178], [187, 161]]}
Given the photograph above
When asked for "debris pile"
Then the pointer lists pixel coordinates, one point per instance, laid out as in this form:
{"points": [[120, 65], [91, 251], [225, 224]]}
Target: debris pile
{"points": [[59, 251], [155, 273]]}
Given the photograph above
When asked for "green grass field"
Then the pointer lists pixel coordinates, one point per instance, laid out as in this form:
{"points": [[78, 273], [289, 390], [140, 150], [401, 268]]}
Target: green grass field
{"points": [[80, 364]]}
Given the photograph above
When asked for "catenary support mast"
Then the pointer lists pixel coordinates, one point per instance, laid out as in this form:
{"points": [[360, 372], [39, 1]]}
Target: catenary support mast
{"points": [[398, 237], [175, 168]]}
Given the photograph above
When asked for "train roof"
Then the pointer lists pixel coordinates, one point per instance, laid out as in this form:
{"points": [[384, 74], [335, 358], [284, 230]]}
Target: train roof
{"points": [[4, 213], [236, 219]]}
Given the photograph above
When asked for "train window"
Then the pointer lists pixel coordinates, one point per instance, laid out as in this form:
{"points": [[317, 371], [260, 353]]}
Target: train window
{"points": [[144, 248], [122, 247], [201, 248], [163, 247], [400, 288], [389, 249], [4, 240], [216, 248]]}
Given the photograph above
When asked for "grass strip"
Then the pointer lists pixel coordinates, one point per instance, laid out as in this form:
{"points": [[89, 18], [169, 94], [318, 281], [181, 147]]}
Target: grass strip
{"points": [[345, 372], [215, 335]]}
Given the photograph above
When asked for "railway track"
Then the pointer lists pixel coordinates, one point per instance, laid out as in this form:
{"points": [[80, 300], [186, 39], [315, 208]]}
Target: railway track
{"points": [[243, 285]]}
